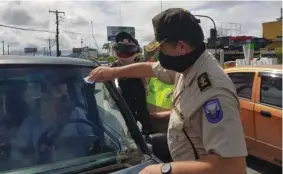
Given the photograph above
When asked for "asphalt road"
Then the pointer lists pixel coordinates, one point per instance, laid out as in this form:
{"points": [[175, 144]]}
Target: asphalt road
{"points": [[255, 166]]}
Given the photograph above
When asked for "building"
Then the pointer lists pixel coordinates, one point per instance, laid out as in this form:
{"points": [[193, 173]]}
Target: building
{"points": [[30, 51], [235, 43], [90, 52], [272, 31], [85, 52]]}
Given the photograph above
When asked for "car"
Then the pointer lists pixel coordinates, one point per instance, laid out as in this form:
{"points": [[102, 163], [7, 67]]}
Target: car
{"points": [[229, 64], [95, 138], [54, 121], [259, 90], [104, 63]]}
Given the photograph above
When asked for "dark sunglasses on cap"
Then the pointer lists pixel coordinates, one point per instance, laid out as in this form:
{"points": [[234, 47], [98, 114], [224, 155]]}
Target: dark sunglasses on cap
{"points": [[126, 49]]}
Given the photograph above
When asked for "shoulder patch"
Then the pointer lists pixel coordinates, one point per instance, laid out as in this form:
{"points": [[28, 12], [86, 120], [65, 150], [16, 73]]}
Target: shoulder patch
{"points": [[213, 111], [203, 81]]}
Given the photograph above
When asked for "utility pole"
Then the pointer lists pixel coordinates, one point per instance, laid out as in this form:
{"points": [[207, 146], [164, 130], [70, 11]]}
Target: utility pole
{"points": [[82, 42], [94, 37], [57, 30], [8, 49], [49, 46], [3, 46]]}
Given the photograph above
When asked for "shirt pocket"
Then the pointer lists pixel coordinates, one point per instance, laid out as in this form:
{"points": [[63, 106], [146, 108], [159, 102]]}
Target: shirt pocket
{"points": [[175, 121]]}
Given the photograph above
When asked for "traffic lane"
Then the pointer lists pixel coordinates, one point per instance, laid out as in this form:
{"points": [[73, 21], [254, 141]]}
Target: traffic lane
{"points": [[257, 166]]}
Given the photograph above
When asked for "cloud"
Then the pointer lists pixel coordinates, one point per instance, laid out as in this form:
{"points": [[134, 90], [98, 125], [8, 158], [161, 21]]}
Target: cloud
{"points": [[75, 24], [16, 17]]}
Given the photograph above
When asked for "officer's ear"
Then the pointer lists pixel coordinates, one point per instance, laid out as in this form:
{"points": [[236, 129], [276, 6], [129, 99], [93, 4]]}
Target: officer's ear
{"points": [[183, 47]]}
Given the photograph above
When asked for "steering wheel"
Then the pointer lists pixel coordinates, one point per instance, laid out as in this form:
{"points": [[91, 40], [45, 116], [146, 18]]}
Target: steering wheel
{"points": [[48, 138]]}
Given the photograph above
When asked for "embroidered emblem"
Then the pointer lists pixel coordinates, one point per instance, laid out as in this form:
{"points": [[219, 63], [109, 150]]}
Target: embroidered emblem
{"points": [[203, 81], [213, 111]]}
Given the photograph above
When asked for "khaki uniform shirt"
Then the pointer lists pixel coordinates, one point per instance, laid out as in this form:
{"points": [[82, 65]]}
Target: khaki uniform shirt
{"points": [[207, 110]]}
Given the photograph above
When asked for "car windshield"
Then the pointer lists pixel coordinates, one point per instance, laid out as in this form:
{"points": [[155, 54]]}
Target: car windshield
{"points": [[50, 117]]}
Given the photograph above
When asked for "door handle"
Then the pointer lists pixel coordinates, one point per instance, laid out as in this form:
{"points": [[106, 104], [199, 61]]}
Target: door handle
{"points": [[265, 113]]}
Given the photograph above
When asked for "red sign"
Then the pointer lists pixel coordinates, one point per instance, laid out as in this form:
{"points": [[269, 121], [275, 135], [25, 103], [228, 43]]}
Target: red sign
{"points": [[240, 38]]}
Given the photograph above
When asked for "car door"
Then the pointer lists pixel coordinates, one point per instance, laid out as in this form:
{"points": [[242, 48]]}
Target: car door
{"points": [[245, 83], [268, 117]]}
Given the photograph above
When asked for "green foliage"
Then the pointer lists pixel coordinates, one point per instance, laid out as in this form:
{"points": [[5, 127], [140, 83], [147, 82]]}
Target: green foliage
{"points": [[279, 58], [107, 47], [109, 58], [278, 53]]}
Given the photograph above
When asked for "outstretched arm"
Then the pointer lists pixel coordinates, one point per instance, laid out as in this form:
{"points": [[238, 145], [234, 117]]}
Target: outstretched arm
{"points": [[136, 70]]}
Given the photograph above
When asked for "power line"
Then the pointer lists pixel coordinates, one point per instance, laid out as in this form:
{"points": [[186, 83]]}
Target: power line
{"points": [[25, 29]]}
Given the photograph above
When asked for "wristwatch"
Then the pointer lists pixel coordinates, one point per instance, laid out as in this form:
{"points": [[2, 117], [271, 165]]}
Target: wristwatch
{"points": [[166, 168]]}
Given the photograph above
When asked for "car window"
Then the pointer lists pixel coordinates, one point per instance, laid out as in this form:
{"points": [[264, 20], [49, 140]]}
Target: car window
{"points": [[243, 82], [110, 114], [50, 115], [271, 91]]}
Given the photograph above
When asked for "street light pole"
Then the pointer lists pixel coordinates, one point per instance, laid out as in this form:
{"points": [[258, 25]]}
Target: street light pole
{"points": [[3, 47], [204, 16]]}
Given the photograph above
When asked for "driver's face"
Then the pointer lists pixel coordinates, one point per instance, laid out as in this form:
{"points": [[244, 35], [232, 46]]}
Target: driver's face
{"points": [[50, 100]]}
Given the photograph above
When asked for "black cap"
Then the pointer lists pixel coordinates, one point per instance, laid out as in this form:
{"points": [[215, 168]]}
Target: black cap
{"points": [[175, 24], [124, 35]]}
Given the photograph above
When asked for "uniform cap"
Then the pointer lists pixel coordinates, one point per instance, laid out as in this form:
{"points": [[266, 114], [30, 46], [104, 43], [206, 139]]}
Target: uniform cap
{"points": [[175, 24], [124, 35]]}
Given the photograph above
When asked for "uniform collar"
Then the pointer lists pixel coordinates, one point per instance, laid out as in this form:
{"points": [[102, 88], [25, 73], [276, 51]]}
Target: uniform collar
{"points": [[192, 71]]}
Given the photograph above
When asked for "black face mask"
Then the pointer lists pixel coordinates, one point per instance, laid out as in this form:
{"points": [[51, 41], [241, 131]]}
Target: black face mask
{"points": [[180, 63]]}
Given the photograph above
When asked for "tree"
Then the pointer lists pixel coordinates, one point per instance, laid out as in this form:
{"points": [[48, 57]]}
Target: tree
{"points": [[278, 52], [107, 47]]}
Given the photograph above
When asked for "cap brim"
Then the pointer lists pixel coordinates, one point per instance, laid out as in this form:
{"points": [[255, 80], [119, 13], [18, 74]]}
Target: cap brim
{"points": [[153, 45]]}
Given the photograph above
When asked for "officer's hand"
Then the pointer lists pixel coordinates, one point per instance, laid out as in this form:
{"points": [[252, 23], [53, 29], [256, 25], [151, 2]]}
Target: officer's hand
{"points": [[101, 74], [152, 169]]}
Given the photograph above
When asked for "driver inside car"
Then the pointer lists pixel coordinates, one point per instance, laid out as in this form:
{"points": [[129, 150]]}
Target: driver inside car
{"points": [[31, 146]]}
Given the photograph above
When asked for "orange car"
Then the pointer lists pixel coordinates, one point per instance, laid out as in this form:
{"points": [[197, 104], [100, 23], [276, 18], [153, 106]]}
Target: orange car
{"points": [[259, 90]]}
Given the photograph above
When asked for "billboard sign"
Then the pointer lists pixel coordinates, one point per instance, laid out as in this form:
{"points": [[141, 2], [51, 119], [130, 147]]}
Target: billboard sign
{"points": [[77, 50], [30, 50], [112, 31]]}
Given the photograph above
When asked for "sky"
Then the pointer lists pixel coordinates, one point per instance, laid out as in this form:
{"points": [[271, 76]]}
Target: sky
{"points": [[231, 18]]}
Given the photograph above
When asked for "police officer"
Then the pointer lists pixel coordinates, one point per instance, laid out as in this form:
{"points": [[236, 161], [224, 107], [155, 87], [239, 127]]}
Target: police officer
{"points": [[126, 49], [159, 99], [205, 134]]}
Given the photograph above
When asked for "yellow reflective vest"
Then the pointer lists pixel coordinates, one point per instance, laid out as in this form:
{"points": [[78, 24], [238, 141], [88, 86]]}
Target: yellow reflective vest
{"points": [[159, 93]]}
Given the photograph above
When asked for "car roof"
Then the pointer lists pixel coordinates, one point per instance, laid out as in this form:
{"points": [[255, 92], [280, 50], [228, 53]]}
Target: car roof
{"points": [[44, 60], [260, 68]]}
